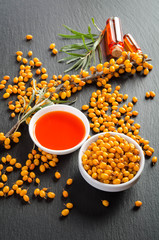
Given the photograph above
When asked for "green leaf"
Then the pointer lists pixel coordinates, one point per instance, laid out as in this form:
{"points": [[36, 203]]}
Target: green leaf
{"points": [[70, 36], [88, 63], [74, 66], [94, 57], [75, 54], [84, 62], [72, 60], [89, 30], [99, 53], [65, 59], [73, 47], [85, 43], [77, 33], [95, 25], [80, 65]]}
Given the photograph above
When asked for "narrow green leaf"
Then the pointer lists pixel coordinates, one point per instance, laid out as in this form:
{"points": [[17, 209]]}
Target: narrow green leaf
{"points": [[72, 60], [97, 42], [74, 66], [84, 62], [95, 25], [94, 57], [75, 54], [89, 30], [99, 53], [70, 36], [65, 59], [80, 65], [77, 33], [73, 47], [88, 62], [85, 44]]}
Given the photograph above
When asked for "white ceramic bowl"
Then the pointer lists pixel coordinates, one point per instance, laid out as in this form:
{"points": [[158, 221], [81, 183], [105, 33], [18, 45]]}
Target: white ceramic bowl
{"points": [[110, 187], [58, 107]]}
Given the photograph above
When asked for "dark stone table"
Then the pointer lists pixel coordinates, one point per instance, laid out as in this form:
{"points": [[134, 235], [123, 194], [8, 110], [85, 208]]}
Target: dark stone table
{"points": [[89, 219]]}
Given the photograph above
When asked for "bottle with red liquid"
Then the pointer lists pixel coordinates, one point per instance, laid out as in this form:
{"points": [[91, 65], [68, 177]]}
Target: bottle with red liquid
{"points": [[130, 44], [114, 37]]}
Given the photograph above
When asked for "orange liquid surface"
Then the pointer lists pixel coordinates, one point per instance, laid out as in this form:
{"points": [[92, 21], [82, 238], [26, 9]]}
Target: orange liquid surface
{"points": [[59, 130]]}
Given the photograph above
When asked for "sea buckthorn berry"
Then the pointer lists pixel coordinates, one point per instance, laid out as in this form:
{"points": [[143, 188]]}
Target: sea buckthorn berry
{"points": [[19, 58], [152, 94], [146, 71], [134, 99], [69, 181], [105, 203], [29, 37], [85, 107], [65, 212], [1, 184], [23, 192], [57, 175], [54, 51], [18, 165], [26, 198], [20, 53], [37, 180], [19, 182], [52, 46], [150, 66], [6, 95], [25, 178], [6, 189], [11, 192], [32, 175], [147, 95], [4, 177], [139, 68], [42, 168], [51, 195], [14, 187], [30, 53], [65, 194], [138, 203], [2, 86], [1, 193], [30, 180], [99, 67], [154, 159], [125, 97], [9, 169], [42, 194], [44, 76], [69, 205], [3, 159], [18, 191], [36, 192]]}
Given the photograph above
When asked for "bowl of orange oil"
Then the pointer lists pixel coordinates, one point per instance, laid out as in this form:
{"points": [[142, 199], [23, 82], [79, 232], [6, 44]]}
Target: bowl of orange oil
{"points": [[59, 129]]}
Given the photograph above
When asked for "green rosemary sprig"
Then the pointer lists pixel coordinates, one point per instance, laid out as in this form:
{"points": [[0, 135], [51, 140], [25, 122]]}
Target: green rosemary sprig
{"points": [[82, 60]]}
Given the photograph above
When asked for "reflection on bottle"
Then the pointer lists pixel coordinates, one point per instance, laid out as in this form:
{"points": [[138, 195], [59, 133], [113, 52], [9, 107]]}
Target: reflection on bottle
{"points": [[130, 44]]}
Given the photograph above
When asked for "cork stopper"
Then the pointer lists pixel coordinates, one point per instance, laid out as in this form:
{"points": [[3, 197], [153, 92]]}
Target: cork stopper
{"points": [[116, 52]]}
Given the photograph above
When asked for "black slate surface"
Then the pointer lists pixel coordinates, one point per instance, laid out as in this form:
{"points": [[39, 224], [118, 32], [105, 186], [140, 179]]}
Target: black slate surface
{"points": [[89, 219]]}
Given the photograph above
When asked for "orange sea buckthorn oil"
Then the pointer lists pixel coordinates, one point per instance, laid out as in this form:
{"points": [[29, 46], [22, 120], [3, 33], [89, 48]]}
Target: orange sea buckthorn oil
{"points": [[59, 130], [130, 44]]}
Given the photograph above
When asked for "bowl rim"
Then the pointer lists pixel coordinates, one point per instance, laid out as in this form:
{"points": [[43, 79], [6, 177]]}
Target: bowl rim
{"points": [[103, 186], [64, 108]]}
